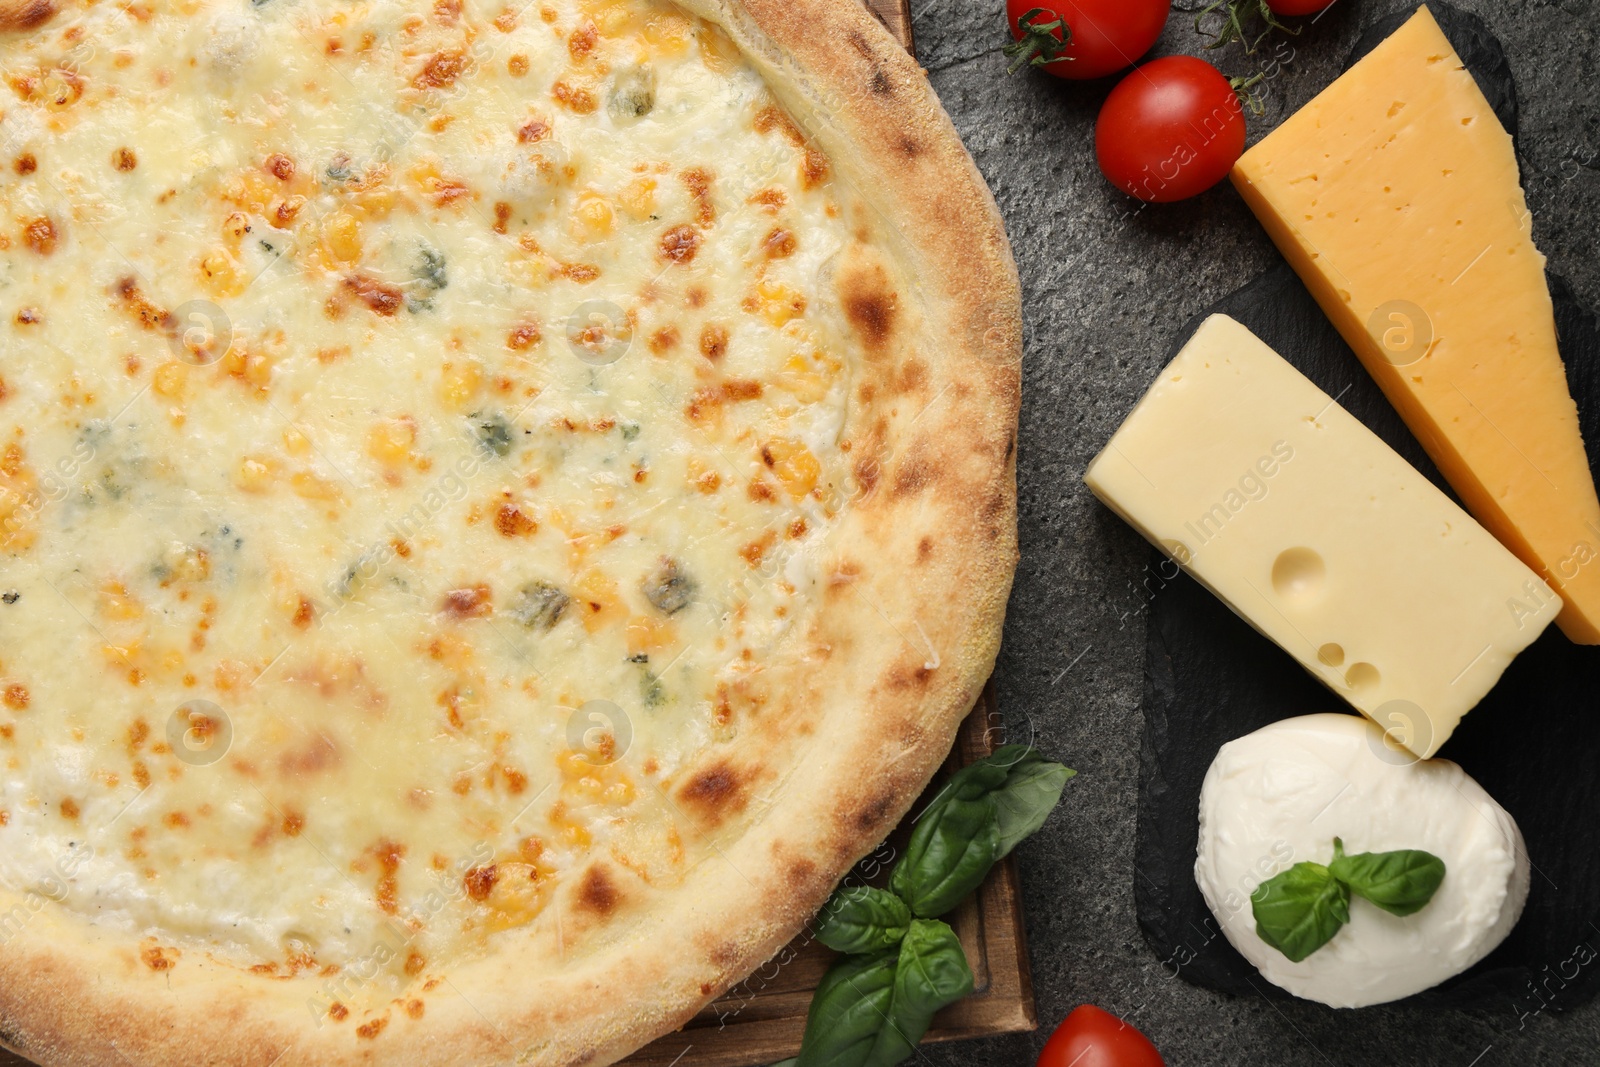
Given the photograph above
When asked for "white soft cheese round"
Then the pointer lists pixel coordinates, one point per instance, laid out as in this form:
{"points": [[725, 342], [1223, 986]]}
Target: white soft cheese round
{"points": [[1281, 795]]}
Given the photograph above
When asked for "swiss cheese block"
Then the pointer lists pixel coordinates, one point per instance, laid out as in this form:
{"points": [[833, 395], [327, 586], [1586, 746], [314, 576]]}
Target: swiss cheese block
{"points": [[1315, 532], [1395, 195]]}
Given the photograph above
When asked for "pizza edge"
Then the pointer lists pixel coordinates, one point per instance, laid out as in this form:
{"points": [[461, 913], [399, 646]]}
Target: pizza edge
{"points": [[940, 536]]}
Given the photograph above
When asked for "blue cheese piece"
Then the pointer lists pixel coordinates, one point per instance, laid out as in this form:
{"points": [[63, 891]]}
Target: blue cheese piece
{"points": [[1315, 532]]}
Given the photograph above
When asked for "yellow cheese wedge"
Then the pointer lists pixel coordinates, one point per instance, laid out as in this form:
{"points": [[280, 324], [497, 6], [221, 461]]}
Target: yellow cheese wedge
{"points": [[1395, 196]]}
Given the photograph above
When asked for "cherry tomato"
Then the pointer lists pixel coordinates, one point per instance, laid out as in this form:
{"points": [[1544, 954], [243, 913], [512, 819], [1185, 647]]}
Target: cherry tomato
{"points": [[1298, 7], [1170, 130], [1090, 1037], [1083, 39]]}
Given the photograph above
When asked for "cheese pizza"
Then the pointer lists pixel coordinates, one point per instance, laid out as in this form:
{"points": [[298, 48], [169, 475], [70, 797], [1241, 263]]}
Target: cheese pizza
{"points": [[501, 505]]}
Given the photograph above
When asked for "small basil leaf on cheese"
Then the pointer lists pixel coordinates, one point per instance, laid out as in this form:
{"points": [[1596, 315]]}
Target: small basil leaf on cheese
{"points": [[1297, 911], [668, 587], [1401, 882], [863, 919]]}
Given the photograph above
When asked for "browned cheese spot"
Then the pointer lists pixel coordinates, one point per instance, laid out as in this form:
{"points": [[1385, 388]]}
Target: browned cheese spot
{"points": [[441, 70], [524, 335], [664, 340], [510, 521], [279, 166], [124, 159], [715, 792], [574, 98], [871, 306], [713, 341], [679, 244], [598, 893], [468, 602], [25, 14], [582, 41], [479, 882], [383, 299], [698, 181], [780, 243], [155, 958], [372, 1027], [151, 316], [389, 855], [40, 235]]}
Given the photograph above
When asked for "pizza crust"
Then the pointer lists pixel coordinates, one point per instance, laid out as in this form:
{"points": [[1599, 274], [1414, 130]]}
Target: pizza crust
{"points": [[919, 577]]}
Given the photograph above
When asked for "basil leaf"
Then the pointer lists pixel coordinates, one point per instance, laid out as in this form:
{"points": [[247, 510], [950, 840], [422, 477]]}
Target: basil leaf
{"points": [[849, 1011], [1031, 792], [1299, 910], [863, 919], [870, 1011], [976, 820], [931, 972], [1400, 883], [950, 853]]}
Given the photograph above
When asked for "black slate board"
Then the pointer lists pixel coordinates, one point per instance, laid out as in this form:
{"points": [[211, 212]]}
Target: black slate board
{"points": [[1532, 743]]}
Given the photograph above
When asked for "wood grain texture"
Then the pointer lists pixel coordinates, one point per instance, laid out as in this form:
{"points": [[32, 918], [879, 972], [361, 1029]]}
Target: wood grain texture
{"points": [[896, 16]]}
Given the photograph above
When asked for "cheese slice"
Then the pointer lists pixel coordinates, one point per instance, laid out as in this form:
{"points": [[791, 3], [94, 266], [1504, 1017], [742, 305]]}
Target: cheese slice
{"points": [[1317, 534], [1395, 195]]}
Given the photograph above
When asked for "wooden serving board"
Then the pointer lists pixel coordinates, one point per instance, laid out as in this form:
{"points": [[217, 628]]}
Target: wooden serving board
{"points": [[760, 1021]]}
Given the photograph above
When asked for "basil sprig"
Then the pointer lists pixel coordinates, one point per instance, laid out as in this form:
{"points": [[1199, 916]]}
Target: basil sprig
{"points": [[1400, 883], [863, 919], [903, 964], [1297, 911], [974, 823]]}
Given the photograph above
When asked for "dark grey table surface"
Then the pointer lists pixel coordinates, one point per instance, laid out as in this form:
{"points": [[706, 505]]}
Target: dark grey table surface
{"points": [[1105, 292]]}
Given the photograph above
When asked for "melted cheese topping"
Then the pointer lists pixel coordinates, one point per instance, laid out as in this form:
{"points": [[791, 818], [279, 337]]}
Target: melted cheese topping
{"points": [[417, 424]]}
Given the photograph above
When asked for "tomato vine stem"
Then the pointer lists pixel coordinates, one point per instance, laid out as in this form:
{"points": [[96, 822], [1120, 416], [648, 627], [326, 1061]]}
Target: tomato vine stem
{"points": [[1039, 43]]}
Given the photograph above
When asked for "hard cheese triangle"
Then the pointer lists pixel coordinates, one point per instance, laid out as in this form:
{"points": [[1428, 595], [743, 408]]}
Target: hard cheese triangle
{"points": [[1316, 533], [1395, 195]]}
